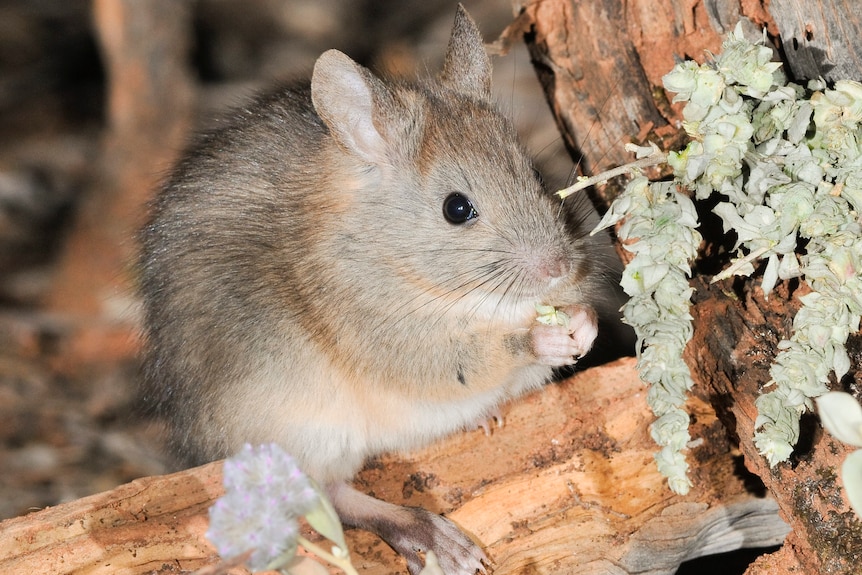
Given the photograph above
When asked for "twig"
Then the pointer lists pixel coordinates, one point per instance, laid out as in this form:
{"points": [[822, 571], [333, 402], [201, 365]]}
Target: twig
{"points": [[654, 159], [740, 263]]}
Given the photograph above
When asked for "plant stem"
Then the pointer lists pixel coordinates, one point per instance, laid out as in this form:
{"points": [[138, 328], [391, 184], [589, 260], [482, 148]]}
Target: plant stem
{"points": [[651, 160], [740, 263], [342, 563]]}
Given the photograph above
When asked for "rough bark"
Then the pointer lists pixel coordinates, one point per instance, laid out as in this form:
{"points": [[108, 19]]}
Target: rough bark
{"points": [[820, 39], [601, 63], [735, 340], [567, 486]]}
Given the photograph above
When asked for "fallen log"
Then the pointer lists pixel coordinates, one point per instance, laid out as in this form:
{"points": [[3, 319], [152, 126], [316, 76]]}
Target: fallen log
{"points": [[567, 485]]}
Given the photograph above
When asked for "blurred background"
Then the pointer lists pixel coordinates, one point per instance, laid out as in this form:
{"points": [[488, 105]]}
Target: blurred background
{"points": [[96, 100]]}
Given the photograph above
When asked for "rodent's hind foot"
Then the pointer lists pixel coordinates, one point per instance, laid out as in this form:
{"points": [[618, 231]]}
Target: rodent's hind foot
{"points": [[558, 345], [456, 553], [411, 531]]}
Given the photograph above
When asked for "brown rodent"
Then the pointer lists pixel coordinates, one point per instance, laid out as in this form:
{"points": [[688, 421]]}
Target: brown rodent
{"points": [[352, 266]]}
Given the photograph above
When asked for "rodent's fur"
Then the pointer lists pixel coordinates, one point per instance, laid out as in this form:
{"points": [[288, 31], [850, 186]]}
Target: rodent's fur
{"points": [[302, 285]]}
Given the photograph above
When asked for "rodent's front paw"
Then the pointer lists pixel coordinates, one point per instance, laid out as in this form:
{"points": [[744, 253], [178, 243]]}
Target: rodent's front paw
{"points": [[558, 345]]}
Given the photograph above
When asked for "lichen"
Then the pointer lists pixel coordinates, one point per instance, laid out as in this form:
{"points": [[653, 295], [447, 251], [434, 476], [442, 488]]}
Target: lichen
{"points": [[785, 162]]}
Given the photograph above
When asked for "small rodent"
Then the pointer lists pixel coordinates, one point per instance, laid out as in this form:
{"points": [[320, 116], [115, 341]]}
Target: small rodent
{"points": [[352, 266]]}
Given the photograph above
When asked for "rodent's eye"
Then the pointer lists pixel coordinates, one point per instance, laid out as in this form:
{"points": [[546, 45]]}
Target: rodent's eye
{"points": [[458, 209]]}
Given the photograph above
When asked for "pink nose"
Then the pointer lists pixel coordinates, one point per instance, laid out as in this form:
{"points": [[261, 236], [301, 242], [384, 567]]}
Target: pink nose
{"points": [[555, 269], [550, 267]]}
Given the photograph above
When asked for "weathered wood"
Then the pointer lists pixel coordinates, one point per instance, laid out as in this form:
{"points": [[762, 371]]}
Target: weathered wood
{"points": [[567, 486], [736, 336], [820, 39], [601, 64]]}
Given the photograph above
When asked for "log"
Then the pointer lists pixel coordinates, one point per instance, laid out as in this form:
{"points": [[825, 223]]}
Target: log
{"points": [[601, 64], [568, 485]]}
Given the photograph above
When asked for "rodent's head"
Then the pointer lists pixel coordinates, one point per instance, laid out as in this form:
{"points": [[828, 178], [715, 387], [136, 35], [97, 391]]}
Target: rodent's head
{"points": [[435, 188]]}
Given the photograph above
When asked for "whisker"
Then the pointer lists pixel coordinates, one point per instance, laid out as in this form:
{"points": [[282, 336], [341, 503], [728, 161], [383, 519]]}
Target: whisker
{"points": [[493, 273], [502, 274], [456, 283]]}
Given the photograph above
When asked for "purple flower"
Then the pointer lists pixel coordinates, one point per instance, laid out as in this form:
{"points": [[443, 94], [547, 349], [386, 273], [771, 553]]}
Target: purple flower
{"points": [[265, 494]]}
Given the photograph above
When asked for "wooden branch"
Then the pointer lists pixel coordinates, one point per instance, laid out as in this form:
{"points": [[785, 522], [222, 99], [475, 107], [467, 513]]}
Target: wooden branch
{"points": [[568, 485], [151, 524], [820, 40]]}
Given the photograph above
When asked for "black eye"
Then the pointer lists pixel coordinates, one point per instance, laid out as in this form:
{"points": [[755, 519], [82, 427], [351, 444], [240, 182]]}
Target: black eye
{"points": [[458, 209]]}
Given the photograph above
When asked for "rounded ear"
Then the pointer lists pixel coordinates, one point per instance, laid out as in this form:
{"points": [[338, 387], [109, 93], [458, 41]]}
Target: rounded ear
{"points": [[347, 97], [467, 68]]}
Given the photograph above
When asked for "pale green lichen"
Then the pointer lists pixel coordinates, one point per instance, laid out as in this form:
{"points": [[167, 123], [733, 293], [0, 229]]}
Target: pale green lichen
{"points": [[787, 164], [841, 415], [549, 315], [658, 308]]}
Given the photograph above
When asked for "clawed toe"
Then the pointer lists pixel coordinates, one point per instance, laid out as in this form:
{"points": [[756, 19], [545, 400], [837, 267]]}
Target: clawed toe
{"points": [[486, 422]]}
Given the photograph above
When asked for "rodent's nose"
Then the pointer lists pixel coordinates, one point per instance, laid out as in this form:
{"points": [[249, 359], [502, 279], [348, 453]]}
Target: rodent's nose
{"points": [[556, 268], [545, 263], [549, 267]]}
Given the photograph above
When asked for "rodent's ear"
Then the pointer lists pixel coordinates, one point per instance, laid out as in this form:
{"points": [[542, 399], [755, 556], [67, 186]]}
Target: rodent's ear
{"points": [[467, 68], [347, 97]]}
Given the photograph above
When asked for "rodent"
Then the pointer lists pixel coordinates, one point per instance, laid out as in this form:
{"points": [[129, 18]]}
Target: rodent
{"points": [[351, 266]]}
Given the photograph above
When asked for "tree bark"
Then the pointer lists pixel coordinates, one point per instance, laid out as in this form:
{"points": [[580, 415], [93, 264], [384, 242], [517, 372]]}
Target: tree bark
{"points": [[601, 64], [736, 336], [820, 39], [568, 485]]}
